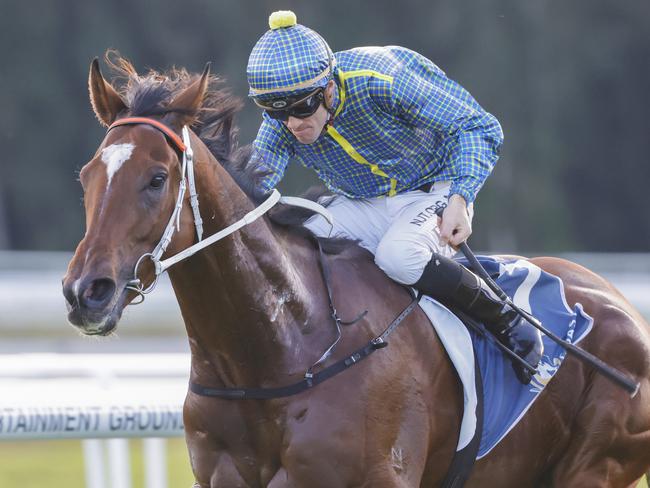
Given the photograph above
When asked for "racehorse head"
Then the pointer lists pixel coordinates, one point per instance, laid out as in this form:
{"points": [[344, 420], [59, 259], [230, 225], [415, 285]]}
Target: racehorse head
{"points": [[130, 187]]}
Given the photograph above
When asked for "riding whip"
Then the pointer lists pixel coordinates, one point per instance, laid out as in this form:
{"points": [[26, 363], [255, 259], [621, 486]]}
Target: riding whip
{"points": [[627, 383], [621, 379]]}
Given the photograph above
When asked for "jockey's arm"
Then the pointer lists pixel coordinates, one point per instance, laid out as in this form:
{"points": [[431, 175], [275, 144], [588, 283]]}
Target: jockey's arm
{"points": [[270, 157], [472, 135]]}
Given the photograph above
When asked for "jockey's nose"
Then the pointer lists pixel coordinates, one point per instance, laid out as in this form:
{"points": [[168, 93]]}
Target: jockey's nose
{"points": [[92, 294], [294, 123]]}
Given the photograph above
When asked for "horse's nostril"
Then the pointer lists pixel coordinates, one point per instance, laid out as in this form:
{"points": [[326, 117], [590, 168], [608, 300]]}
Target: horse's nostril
{"points": [[68, 293], [97, 293]]}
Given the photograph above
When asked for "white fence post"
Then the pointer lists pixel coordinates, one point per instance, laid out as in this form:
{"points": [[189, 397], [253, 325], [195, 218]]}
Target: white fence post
{"points": [[93, 450], [119, 463], [155, 463]]}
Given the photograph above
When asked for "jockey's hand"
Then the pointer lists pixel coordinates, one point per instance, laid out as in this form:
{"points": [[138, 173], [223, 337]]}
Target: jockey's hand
{"points": [[455, 226]]}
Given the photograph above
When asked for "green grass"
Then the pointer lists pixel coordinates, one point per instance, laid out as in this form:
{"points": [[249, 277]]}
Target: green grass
{"points": [[59, 464]]}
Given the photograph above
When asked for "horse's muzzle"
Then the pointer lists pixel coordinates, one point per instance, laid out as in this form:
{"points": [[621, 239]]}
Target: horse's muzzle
{"points": [[92, 304]]}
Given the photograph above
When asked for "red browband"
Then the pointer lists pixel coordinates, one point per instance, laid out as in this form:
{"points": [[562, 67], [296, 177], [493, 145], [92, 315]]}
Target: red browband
{"points": [[175, 138]]}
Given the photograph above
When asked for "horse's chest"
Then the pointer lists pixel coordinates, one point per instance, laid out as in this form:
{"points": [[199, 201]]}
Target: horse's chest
{"points": [[239, 442], [251, 446]]}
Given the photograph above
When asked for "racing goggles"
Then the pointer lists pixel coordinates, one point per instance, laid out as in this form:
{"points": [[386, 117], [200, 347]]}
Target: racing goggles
{"points": [[300, 107]]}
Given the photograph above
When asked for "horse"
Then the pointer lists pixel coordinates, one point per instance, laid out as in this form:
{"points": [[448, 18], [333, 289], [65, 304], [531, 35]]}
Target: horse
{"points": [[256, 312]]}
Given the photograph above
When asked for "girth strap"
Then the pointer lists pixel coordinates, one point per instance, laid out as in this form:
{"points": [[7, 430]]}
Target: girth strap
{"points": [[312, 379], [316, 378], [285, 391]]}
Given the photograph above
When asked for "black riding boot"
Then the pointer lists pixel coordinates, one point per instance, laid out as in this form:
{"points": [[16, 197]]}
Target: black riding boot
{"points": [[455, 286]]}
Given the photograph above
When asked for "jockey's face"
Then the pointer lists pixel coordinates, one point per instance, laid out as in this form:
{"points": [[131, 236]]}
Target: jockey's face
{"points": [[307, 130]]}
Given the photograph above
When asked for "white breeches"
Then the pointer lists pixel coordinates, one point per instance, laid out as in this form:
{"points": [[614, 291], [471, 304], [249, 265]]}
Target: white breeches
{"points": [[400, 231]]}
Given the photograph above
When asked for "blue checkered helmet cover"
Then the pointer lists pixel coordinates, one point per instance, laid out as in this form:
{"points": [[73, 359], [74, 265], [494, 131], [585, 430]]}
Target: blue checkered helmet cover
{"points": [[288, 61]]}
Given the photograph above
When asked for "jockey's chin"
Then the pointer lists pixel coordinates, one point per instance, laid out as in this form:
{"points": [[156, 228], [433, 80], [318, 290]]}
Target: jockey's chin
{"points": [[307, 130]]}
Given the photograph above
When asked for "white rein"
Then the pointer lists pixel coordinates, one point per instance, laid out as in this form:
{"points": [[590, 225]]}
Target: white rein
{"points": [[187, 180]]}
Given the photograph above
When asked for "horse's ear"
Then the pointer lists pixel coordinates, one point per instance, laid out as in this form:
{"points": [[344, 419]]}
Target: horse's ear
{"points": [[106, 103], [187, 103]]}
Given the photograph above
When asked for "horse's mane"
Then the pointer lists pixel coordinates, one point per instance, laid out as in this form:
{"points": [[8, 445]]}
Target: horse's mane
{"points": [[150, 95]]}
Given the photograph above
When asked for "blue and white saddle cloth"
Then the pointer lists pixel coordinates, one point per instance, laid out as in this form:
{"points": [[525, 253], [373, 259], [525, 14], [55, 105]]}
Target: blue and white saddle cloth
{"points": [[505, 399]]}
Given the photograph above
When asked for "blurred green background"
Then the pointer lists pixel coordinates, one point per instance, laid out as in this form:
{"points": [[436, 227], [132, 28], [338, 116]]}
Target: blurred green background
{"points": [[60, 464], [568, 80]]}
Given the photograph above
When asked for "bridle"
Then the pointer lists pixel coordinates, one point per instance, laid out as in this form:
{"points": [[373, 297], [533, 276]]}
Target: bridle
{"points": [[310, 378], [187, 181]]}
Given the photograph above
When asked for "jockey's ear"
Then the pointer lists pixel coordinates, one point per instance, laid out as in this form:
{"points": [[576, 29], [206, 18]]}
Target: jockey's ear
{"points": [[107, 104], [329, 93], [184, 107]]}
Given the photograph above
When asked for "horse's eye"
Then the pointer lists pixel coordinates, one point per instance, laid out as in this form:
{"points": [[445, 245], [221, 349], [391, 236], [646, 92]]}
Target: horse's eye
{"points": [[158, 181]]}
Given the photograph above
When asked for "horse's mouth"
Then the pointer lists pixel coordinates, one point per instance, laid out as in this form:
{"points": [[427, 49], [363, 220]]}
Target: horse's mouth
{"points": [[101, 329], [98, 322]]}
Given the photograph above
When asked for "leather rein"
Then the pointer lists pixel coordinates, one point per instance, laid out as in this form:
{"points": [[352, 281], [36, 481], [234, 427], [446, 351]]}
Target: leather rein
{"points": [[310, 378]]}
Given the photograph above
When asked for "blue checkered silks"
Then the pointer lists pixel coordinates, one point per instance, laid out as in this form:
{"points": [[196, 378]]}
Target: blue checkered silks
{"points": [[399, 124]]}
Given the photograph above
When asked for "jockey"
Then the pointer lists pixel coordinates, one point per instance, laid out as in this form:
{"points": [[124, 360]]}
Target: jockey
{"points": [[396, 141]]}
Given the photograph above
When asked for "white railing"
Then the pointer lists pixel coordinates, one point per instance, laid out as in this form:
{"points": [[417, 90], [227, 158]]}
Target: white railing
{"points": [[102, 399]]}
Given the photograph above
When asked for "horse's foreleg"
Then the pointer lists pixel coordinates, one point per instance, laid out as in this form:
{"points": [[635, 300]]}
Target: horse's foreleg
{"points": [[222, 473], [386, 479]]}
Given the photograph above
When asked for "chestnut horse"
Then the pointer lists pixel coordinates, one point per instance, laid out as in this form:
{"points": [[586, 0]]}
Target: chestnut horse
{"points": [[257, 315]]}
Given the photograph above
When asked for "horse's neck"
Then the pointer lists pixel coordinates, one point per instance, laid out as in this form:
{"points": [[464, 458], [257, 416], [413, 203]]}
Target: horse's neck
{"points": [[243, 299]]}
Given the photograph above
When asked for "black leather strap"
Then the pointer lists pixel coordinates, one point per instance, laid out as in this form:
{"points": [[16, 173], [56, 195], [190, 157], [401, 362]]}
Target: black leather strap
{"points": [[312, 379], [378, 342], [285, 391]]}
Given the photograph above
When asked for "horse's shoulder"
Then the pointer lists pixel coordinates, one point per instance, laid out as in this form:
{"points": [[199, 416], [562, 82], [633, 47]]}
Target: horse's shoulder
{"points": [[348, 253], [354, 271]]}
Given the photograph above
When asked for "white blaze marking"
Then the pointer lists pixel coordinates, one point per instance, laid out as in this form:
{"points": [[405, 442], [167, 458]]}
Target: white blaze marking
{"points": [[114, 157]]}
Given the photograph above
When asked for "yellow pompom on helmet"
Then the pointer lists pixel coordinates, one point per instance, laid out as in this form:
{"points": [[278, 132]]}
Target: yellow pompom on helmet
{"points": [[288, 60]]}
